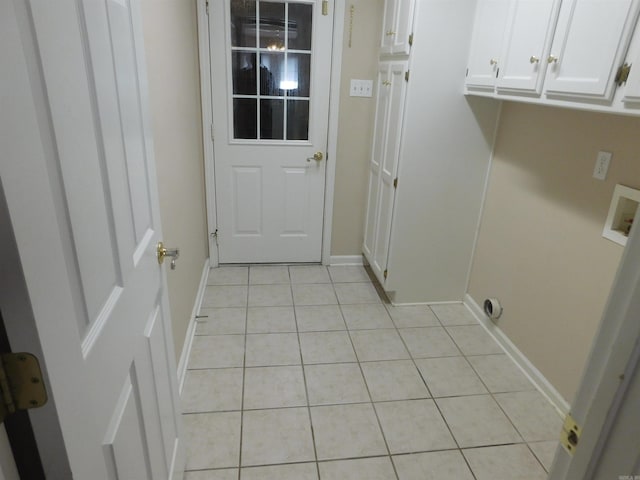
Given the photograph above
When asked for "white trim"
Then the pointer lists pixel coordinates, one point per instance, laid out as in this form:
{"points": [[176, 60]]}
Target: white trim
{"points": [[345, 260], [207, 126], [483, 200], [532, 373], [191, 328], [427, 304], [332, 133]]}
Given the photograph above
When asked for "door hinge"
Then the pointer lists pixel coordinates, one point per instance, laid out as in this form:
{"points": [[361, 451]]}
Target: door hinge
{"points": [[207, 7], [623, 74], [467, 73], [385, 273], [395, 182], [406, 75], [325, 7], [214, 235], [570, 434], [411, 40], [212, 136], [21, 385]]}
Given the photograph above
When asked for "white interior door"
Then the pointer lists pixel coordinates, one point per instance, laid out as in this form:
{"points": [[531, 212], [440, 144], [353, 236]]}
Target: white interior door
{"points": [[271, 65], [79, 180]]}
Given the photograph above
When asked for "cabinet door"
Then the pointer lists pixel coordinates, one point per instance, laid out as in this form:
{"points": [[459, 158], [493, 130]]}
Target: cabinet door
{"points": [[632, 87], [588, 46], [397, 25], [384, 164], [486, 44], [388, 26], [526, 45]]}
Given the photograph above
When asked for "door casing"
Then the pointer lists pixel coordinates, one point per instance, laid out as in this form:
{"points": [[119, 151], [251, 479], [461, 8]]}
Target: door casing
{"points": [[208, 134]]}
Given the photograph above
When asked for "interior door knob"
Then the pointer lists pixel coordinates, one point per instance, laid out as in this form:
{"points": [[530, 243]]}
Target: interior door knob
{"points": [[162, 252]]}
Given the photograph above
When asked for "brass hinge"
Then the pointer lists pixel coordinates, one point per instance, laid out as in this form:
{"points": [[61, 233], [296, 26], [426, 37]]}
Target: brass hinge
{"points": [[325, 7], [395, 182], [406, 75], [21, 385], [411, 40], [570, 434], [623, 74], [385, 273]]}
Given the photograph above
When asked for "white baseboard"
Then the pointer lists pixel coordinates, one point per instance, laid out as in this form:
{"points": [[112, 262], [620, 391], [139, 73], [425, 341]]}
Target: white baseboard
{"points": [[191, 328], [534, 375], [345, 260], [417, 304]]}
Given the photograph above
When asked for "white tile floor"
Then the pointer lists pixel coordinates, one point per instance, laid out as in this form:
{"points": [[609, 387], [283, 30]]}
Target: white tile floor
{"points": [[303, 372]]}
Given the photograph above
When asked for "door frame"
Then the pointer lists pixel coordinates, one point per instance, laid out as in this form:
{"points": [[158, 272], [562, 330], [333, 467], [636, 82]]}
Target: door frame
{"points": [[207, 127]]}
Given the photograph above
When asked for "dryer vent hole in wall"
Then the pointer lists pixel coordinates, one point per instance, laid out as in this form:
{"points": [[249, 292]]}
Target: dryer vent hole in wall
{"points": [[492, 308]]}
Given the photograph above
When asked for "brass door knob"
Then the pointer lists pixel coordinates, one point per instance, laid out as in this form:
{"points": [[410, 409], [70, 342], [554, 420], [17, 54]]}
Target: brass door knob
{"points": [[318, 156], [162, 252]]}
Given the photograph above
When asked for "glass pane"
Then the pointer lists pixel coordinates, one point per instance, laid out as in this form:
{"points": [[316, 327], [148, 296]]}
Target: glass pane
{"points": [[243, 23], [272, 119], [297, 120], [298, 74], [244, 73], [245, 118], [300, 26], [272, 31], [271, 74]]}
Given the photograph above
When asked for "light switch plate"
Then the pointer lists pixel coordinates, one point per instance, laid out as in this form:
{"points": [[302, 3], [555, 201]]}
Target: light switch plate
{"points": [[361, 88], [602, 165]]}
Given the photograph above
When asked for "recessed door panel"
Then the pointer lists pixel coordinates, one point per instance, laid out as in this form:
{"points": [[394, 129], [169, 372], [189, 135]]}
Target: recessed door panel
{"points": [[296, 201], [247, 200]]}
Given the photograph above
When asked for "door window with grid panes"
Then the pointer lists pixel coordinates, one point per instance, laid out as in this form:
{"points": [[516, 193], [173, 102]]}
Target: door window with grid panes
{"points": [[270, 69]]}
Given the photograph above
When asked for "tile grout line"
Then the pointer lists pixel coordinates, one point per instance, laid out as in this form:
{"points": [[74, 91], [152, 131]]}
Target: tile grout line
{"points": [[373, 406], [304, 379], [433, 399], [244, 364]]}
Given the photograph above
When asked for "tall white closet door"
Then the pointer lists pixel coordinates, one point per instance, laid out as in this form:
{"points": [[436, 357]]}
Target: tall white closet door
{"points": [[384, 164]]}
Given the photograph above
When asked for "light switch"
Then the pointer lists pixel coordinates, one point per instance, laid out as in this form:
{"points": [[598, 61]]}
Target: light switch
{"points": [[361, 88]]}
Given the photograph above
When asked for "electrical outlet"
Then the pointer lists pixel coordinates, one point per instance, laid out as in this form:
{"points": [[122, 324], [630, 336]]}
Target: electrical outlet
{"points": [[602, 165], [361, 88]]}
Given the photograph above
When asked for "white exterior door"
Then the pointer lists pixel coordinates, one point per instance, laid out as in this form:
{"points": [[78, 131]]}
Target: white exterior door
{"points": [[79, 180], [271, 64]]}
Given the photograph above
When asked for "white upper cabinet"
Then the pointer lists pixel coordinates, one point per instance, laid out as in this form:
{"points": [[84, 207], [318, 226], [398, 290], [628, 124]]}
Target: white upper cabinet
{"points": [[526, 44], [486, 44], [397, 27], [589, 44]]}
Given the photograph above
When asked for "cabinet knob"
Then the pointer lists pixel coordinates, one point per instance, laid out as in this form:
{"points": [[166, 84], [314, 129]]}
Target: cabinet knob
{"points": [[493, 61], [552, 59], [534, 59]]}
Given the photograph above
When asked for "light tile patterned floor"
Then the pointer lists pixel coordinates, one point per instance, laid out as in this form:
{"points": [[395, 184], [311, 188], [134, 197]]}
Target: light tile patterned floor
{"points": [[305, 373]]}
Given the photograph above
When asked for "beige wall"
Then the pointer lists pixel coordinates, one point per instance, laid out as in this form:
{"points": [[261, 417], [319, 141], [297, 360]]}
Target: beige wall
{"points": [[355, 127], [170, 34], [540, 248]]}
